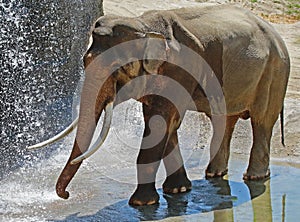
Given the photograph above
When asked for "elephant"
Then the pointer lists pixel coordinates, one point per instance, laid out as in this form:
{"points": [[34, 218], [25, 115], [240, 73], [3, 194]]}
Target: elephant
{"points": [[175, 56]]}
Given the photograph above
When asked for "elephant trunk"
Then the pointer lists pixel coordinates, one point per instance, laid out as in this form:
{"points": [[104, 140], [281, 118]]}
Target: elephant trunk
{"points": [[98, 93], [68, 173], [101, 138], [77, 157]]}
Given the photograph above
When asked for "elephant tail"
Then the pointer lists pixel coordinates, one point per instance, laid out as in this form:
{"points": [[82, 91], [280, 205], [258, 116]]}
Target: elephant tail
{"points": [[282, 125]]}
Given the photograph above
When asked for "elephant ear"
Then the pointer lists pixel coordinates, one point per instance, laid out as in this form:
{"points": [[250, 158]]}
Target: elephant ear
{"points": [[156, 51]]}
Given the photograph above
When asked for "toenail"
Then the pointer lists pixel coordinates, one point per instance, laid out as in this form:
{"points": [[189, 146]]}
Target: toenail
{"points": [[175, 190], [183, 189]]}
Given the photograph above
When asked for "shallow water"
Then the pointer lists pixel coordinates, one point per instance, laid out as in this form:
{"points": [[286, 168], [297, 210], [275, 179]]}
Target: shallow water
{"points": [[29, 195], [103, 185]]}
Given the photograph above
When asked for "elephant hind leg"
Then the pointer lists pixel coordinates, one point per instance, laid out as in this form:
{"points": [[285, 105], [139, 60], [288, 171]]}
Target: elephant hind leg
{"points": [[262, 128], [220, 147], [260, 153], [264, 113]]}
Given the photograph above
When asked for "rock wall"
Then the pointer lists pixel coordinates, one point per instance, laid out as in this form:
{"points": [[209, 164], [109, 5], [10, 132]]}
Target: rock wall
{"points": [[42, 43]]}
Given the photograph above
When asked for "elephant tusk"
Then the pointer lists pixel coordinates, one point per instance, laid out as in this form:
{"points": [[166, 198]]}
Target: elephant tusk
{"points": [[59, 136], [103, 134]]}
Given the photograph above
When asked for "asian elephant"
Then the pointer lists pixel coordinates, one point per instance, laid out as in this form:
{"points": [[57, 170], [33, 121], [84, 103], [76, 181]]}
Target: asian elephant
{"points": [[187, 47]]}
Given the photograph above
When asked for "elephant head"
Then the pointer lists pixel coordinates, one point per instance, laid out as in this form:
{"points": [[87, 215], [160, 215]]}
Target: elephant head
{"points": [[121, 49]]}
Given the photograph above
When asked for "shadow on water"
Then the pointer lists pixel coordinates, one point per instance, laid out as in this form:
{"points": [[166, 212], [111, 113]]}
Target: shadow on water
{"points": [[211, 195]]}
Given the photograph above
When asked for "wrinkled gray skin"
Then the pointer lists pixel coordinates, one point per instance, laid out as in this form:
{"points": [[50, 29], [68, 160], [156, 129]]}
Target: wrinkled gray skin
{"points": [[247, 56]]}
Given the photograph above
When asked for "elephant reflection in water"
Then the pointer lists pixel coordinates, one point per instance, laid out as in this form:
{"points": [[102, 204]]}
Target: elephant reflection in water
{"points": [[227, 202], [245, 55], [259, 198]]}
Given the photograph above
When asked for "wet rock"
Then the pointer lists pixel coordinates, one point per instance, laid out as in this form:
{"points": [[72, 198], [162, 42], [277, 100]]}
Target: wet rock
{"points": [[42, 43]]}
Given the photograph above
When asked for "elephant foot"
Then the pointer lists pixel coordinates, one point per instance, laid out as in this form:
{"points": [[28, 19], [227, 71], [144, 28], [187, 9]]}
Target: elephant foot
{"points": [[177, 183], [252, 175], [212, 172], [145, 194]]}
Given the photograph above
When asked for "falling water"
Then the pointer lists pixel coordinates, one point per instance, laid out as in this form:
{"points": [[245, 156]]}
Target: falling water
{"points": [[42, 43]]}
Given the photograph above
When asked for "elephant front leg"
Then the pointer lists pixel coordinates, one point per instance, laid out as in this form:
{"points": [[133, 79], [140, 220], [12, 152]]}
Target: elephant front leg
{"points": [[220, 146], [145, 193], [151, 152], [177, 180]]}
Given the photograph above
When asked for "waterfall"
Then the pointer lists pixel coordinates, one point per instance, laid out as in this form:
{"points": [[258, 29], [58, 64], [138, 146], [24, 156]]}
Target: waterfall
{"points": [[42, 43]]}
